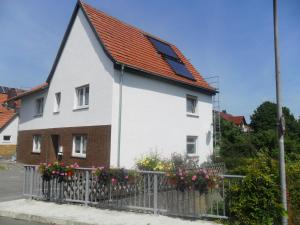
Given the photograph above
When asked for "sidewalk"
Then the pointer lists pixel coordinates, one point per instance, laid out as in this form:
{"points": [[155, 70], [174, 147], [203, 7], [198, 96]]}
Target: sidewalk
{"points": [[44, 212]]}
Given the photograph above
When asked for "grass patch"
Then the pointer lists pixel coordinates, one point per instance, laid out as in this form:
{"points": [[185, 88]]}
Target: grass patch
{"points": [[2, 167]]}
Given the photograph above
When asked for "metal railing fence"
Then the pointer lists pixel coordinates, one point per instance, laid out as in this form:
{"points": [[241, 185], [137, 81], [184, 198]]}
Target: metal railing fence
{"points": [[151, 192]]}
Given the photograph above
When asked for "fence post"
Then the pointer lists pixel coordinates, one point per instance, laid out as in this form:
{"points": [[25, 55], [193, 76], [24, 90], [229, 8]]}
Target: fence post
{"points": [[31, 182], [87, 179], [155, 194]]}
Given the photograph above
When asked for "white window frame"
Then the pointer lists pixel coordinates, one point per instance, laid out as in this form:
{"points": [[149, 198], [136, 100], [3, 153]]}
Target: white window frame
{"points": [[195, 142], [195, 99], [36, 143], [83, 138], [6, 141], [57, 102], [39, 110], [85, 97]]}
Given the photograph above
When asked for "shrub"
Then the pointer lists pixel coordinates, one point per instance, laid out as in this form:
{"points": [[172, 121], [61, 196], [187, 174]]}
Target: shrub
{"points": [[256, 200], [114, 176], [153, 162]]}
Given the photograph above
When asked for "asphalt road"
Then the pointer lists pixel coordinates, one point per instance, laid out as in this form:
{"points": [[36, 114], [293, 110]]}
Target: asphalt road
{"points": [[11, 185], [11, 181]]}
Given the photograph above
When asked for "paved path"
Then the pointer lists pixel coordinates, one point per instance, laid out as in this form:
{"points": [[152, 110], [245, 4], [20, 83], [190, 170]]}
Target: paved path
{"points": [[11, 181], [38, 211]]}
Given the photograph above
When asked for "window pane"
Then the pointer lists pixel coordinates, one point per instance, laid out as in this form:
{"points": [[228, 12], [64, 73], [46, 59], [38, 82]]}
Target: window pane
{"points": [[191, 149], [87, 92], [190, 139], [84, 145], [6, 138], [57, 95], [80, 97], [77, 144]]}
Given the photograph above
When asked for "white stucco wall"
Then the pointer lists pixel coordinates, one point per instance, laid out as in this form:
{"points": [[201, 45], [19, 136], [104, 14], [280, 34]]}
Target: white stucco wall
{"points": [[154, 119], [12, 130], [82, 62]]}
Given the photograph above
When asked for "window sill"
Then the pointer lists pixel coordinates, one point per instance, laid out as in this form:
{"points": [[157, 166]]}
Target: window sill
{"points": [[192, 115], [81, 108], [38, 115], [34, 152], [79, 156], [56, 112]]}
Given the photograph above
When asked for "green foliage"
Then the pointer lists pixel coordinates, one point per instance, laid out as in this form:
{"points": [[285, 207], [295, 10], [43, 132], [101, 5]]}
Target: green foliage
{"points": [[241, 150], [256, 199], [293, 181]]}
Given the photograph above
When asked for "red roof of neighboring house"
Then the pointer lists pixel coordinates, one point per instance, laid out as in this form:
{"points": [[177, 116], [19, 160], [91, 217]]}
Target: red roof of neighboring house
{"points": [[129, 45], [6, 117], [237, 120], [31, 91]]}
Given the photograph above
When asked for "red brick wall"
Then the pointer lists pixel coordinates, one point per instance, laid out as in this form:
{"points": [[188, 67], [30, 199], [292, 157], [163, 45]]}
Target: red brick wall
{"points": [[97, 153]]}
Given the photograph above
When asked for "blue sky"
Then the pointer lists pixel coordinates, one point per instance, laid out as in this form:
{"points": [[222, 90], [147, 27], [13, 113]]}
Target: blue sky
{"points": [[232, 39]]}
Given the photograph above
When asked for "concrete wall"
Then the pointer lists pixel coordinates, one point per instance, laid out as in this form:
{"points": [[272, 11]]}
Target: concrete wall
{"points": [[154, 119], [82, 62]]}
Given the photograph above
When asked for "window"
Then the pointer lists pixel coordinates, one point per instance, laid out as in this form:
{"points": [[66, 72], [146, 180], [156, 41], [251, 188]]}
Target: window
{"points": [[6, 138], [37, 141], [171, 58], [191, 104], [57, 102], [191, 145], [79, 145], [39, 106], [82, 97]]}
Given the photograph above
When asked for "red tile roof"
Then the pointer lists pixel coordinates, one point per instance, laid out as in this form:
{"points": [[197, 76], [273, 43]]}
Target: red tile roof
{"points": [[237, 120], [129, 45], [6, 117], [31, 91]]}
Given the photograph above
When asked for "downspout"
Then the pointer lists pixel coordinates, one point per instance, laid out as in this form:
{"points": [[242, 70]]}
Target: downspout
{"points": [[120, 114]]}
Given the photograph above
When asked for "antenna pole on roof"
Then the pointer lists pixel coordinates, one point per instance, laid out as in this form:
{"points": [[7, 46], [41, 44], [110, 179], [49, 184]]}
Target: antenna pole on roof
{"points": [[280, 117]]}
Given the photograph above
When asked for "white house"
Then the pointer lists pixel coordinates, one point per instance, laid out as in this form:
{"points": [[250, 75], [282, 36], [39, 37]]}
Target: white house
{"points": [[8, 124], [114, 93]]}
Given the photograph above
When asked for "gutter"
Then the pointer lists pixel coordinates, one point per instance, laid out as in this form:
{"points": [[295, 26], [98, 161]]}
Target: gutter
{"points": [[120, 114]]}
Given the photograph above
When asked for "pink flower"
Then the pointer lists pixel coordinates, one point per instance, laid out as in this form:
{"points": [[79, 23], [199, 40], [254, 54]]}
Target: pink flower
{"points": [[53, 172], [61, 174], [113, 181], [206, 177], [126, 177], [181, 178], [194, 178]]}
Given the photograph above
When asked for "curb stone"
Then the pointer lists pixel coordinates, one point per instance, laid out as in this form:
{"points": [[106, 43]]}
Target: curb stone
{"points": [[40, 219]]}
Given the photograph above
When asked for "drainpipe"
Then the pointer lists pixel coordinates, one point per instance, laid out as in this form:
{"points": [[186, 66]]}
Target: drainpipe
{"points": [[120, 114]]}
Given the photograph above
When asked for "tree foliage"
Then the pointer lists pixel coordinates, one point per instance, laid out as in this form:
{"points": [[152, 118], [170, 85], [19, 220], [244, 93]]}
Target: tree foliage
{"points": [[240, 151]]}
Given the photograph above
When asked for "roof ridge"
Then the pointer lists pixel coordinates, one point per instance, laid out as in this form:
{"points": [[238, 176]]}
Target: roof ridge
{"points": [[84, 4]]}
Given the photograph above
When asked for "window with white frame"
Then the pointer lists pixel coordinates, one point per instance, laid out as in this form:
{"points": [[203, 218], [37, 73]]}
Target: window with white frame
{"points": [[191, 104], [39, 107], [191, 145], [82, 97], [6, 138], [36, 143], [79, 145], [57, 102]]}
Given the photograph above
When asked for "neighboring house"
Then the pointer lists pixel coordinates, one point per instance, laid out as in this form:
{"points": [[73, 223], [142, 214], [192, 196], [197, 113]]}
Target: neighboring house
{"points": [[114, 93], [8, 122], [239, 121]]}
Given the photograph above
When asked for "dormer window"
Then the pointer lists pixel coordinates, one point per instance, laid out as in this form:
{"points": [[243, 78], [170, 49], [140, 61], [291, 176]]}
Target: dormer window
{"points": [[82, 97]]}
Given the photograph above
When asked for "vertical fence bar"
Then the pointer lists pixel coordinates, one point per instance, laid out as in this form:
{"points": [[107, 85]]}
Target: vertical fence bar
{"points": [[31, 182], [155, 194], [87, 179]]}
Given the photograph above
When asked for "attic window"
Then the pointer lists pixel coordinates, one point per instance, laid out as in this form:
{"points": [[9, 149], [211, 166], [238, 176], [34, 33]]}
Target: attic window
{"points": [[171, 58]]}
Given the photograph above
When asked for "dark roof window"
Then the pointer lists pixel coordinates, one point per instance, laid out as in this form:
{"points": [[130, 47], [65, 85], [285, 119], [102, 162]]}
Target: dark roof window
{"points": [[180, 69], [163, 48]]}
